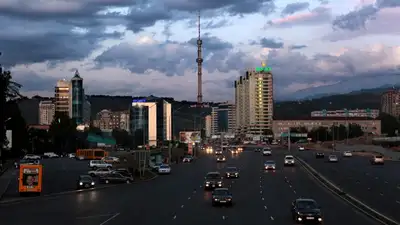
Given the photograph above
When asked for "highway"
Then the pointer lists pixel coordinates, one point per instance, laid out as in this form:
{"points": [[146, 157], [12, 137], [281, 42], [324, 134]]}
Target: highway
{"points": [[376, 185], [179, 198]]}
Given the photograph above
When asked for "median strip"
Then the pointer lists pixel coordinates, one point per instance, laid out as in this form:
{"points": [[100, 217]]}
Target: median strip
{"points": [[365, 209]]}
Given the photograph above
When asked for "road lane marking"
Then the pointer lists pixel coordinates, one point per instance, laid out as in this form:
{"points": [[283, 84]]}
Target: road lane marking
{"points": [[262, 199], [294, 191], [182, 206], [265, 207], [174, 217], [381, 194], [272, 218], [189, 198], [369, 188], [111, 218], [376, 178], [386, 182], [94, 216], [398, 202], [223, 217], [290, 186], [260, 192]]}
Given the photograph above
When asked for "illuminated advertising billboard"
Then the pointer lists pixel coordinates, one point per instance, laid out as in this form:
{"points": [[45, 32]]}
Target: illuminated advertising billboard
{"points": [[190, 136]]}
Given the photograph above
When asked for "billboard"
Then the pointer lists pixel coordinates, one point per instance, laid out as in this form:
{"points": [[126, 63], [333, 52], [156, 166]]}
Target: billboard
{"points": [[190, 136]]}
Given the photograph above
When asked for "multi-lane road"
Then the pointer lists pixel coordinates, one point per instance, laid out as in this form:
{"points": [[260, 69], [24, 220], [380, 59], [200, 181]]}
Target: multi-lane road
{"points": [[376, 185], [260, 197]]}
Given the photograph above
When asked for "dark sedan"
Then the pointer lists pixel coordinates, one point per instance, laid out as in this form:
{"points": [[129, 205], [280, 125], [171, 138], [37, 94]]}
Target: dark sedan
{"points": [[306, 210], [232, 172], [222, 196], [116, 178], [319, 155], [85, 181]]}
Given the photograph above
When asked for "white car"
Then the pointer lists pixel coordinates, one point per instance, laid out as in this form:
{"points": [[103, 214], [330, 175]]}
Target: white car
{"points": [[110, 159], [301, 148], [267, 151], [347, 154], [187, 159], [377, 159], [51, 155], [32, 157], [333, 158], [72, 155], [164, 169], [156, 166], [95, 164], [100, 172], [289, 160]]}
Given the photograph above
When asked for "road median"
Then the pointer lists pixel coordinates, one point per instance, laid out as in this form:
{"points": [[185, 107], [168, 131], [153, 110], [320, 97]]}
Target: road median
{"points": [[362, 207]]}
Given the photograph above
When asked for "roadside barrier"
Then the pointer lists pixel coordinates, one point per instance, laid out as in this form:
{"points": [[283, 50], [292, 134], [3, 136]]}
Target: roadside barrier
{"points": [[368, 211]]}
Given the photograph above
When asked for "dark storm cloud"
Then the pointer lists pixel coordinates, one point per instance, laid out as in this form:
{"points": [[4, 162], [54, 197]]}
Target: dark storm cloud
{"points": [[294, 47], [357, 19], [294, 7], [268, 43], [32, 81]]}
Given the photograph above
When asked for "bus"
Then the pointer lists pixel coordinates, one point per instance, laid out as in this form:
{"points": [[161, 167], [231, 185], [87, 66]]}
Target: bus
{"points": [[91, 154], [30, 179]]}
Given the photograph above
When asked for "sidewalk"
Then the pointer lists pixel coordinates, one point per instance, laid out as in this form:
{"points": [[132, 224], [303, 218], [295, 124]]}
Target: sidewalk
{"points": [[5, 180]]}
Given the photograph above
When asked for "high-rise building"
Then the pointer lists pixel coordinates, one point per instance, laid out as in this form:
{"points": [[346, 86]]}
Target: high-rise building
{"points": [[61, 97], [151, 118], [254, 102], [223, 118], [77, 98], [208, 125], [46, 112], [390, 102]]}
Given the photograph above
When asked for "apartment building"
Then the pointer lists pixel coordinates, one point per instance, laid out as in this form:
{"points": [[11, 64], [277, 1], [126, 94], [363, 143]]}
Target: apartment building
{"points": [[390, 102], [368, 125], [62, 97], [108, 120], [254, 101], [371, 113], [223, 118], [47, 110]]}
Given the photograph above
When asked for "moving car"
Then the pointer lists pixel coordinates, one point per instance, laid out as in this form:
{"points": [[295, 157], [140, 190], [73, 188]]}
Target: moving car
{"points": [[267, 151], [221, 158], [85, 181], [209, 149], [289, 160], [94, 164], [213, 180], [333, 158], [240, 149], [100, 172], [71, 155], [110, 159], [319, 155], [347, 154], [123, 171], [116, 178], [232, 172], [222, 196], [50, 155], [218, 152], [155, 166], [187, 159], [306, 210], [301, 148], [164, 169], [32, 157], [377, 160], [234, 151], [269, 165]]}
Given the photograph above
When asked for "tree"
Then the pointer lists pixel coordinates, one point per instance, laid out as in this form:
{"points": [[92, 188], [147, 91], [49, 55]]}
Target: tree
{"points": [[122, 138], [355, 130], [319, 134], [389, 124], [138, 137], [63, 133]]}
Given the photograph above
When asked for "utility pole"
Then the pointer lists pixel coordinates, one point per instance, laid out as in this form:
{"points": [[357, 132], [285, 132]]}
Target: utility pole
{"points": [[289, 140]]}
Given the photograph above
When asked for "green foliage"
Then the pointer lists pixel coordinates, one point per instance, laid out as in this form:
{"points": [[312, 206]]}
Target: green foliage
{"points": [[63, 133], [389, 124], [335, 133], [123, 138]]}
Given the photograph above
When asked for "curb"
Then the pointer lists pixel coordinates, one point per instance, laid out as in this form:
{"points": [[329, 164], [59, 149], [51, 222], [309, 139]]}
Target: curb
{"points": [[360, 206], [12, 201]]}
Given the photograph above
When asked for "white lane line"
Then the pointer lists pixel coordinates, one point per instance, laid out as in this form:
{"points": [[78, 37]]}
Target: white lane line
{"points": [[111, 218], [189, 198], [174, 217], [381, 194], [398, 202], [272, 218], [265, 207], [262, 199], [223, 217], [290, 186], [182, 206], [294, 191], [386, 182], [376, 178], [398, 187], [260, 192], [94, 216], [369, 188]]}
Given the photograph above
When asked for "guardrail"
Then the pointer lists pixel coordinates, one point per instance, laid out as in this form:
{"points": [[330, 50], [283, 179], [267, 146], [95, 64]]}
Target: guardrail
{"points": [[368, 211]]}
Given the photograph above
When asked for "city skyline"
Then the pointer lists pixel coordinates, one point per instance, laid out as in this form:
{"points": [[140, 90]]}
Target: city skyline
{"points": [[152, 51]]}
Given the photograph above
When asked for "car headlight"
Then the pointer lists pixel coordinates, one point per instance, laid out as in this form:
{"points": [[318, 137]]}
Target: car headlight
{"points": [[92, 183], [80, 183], [223, 158], [207, 182], [219, 182], [236, 173]]}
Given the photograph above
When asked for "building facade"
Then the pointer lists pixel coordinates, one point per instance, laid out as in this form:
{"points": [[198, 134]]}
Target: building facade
{"points": [[47, 110], [208, 125], [152, 118], [223, 118], [390, 102], [62, 97], [367, 125], [371, 113], [108, 120], [254, 102], [77, 98]]}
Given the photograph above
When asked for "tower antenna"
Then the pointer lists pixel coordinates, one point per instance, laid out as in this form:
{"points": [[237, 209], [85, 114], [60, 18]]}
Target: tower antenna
{"points": [[199, 61]]}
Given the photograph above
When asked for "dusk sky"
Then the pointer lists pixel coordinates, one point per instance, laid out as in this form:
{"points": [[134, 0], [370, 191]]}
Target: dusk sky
{"points": [[147, 47]]}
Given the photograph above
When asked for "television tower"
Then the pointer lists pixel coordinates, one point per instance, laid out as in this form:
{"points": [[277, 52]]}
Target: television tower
{"points": [[199, 61]]}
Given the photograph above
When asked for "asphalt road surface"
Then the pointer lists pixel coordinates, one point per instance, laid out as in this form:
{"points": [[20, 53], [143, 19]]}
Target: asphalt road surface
{"points": [[59, 175], [180, 198], [376, 185]]}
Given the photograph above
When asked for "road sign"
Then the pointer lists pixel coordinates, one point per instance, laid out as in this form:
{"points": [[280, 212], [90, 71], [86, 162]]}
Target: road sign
{"points": [[346, 112], [294, 135], [324, 112]]}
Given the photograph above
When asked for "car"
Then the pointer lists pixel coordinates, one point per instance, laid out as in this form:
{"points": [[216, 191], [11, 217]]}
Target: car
{"points": [[95, 164], [377, 160], [213, 180], [123, 171], [50, 155], [218, 152], [232, 172], [333, 158], [110, 159], [100, 172], [164, 169], [240, 149], [257, 149], [155, 166], [319, 155], [347, 154], [221, 196], [221, 158], [306, 210], [116, 178], [187, 159], [209, 149], [32, 157], [234, 151], [84, 182], [267, 151], [72, 155], [301, 148], [289, 160], [269, 165]]}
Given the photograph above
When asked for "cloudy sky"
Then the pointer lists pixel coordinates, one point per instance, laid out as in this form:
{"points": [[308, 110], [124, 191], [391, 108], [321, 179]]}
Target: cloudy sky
{"points": [[143, 47]]}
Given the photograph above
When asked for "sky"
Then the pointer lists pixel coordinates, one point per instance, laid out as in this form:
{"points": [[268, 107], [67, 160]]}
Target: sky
{"points": [[148, 47]]}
